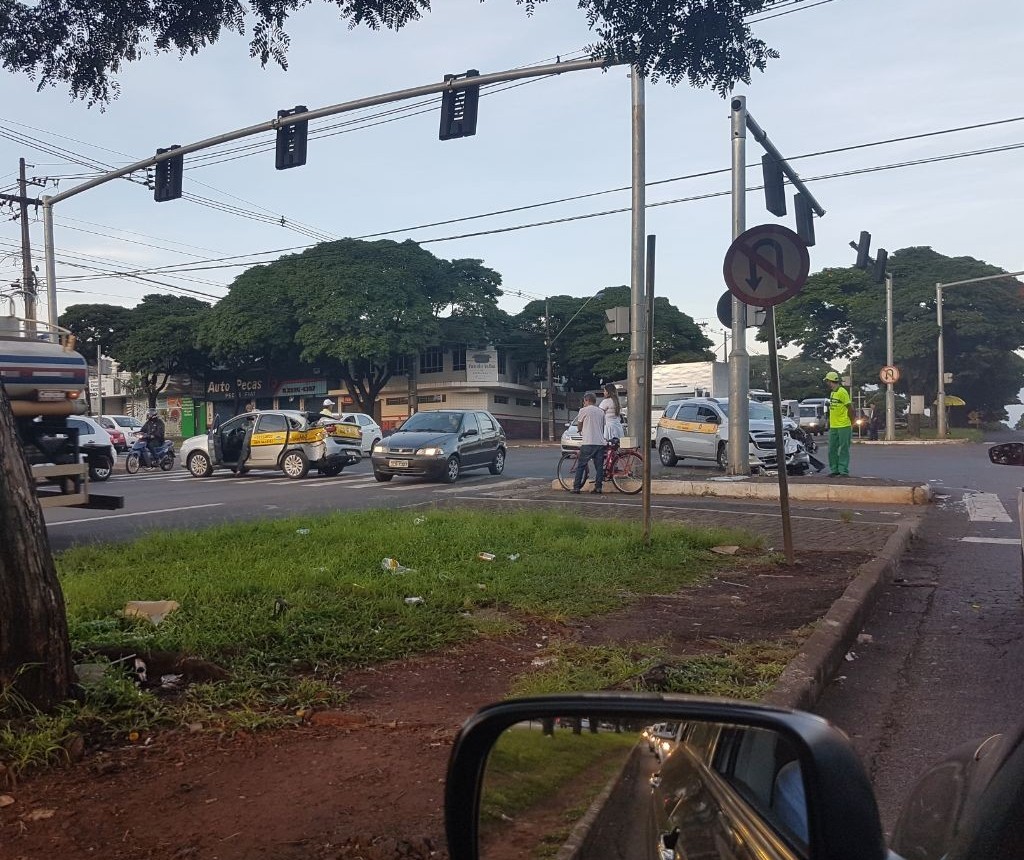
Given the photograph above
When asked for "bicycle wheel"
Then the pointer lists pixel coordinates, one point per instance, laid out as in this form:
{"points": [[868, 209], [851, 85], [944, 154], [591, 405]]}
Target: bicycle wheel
{"points": [[567, 471], [628, 473]]}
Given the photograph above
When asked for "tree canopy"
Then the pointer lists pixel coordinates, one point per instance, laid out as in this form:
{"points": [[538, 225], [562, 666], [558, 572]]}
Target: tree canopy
{"points": [[840, 314], [85, 43], [799, 377]]}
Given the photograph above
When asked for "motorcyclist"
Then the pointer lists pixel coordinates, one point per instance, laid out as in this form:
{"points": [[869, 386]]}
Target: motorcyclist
{"points": [[153, 431]]}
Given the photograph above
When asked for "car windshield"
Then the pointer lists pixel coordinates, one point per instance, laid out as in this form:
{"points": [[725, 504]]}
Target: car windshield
{"points": [[755, 411], [125, 421], [809, 410], [433, 422]]}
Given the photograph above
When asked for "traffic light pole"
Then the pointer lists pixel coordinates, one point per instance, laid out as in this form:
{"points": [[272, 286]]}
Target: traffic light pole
{"points": [[739, 359], [451, 83]]}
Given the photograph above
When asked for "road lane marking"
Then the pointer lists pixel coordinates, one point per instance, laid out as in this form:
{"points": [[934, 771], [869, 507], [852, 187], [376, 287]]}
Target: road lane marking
{"points": [[985, 507], [1001, 541], [133, 514]]}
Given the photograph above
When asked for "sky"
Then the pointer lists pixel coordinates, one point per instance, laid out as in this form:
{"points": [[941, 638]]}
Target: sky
{"points": [[851, 72]]}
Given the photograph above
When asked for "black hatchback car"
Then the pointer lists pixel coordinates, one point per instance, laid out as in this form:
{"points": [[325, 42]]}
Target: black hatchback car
{"points": [[441, 444]]}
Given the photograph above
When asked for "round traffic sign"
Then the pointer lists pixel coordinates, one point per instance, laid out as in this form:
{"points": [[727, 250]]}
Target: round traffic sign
{"points": [[766, 265], [889, 374]]}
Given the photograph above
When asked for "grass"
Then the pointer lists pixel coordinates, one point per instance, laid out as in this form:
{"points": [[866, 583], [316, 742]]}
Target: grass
{"points": [[286, 605]]}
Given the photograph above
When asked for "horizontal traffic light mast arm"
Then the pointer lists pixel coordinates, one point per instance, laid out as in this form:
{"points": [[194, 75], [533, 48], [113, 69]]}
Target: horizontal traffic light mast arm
{"points": [[370, 101], [761, 136], [979, 280]]}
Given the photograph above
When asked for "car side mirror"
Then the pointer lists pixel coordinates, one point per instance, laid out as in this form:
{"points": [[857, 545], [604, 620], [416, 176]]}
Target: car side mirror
{"points": [[1007, 454], [725, 773], [467, 433]]}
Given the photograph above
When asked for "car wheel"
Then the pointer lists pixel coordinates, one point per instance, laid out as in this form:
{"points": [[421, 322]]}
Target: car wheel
{"points": [[452, 469], [295, 464], [723, 455], [329, 470], [102, 471], [382, 477], [667, 453], [131, 463], [498, 463], [199, 465]]}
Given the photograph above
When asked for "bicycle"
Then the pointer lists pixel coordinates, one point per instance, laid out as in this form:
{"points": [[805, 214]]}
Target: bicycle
{"points": [[624, 467]]}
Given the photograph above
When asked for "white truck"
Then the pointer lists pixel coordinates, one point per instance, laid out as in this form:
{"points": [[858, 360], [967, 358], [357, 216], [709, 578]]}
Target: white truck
{"points": [[686, 379], [45, 380]]}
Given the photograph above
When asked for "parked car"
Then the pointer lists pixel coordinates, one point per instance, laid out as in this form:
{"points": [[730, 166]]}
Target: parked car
{"points": [[344, 444], [698, 429], [572, 439], [282, 439], [96, 446], [128, 425], [368, 428], [441, 444], [117, 436]]}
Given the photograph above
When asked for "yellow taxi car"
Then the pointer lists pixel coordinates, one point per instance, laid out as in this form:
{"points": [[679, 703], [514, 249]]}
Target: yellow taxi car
{"points": [[281, 439]]}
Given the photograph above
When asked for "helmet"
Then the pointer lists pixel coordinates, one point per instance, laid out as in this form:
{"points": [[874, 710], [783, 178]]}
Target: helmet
{"points": [[328, 402], [832, 376], [152, 413]]}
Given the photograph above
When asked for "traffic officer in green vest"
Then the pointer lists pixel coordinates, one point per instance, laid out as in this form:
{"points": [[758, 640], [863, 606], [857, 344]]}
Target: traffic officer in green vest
{"points": [[840, 427]]}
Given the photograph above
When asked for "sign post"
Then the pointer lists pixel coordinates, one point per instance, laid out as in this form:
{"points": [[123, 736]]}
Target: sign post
{"points": [[764, 266]]}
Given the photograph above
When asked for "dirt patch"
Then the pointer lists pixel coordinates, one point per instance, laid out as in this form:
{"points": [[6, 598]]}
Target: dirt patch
{"points": [[366, 781]]}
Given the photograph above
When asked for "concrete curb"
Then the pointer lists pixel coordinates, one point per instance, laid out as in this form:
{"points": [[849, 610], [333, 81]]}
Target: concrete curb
{"points": [[806, 676], [920, 494]]}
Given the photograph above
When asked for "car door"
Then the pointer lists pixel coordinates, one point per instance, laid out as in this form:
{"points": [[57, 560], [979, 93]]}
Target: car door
{"points": [[687, 433], [268, 440], [710, 423], [489, 437], [470, 445], [225, 441]]}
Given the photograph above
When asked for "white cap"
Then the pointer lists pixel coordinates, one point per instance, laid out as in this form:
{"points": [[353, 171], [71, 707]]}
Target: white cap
{"points": [[328, 402]]}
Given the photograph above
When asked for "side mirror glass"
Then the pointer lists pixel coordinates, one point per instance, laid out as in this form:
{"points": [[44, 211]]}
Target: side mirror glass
{"points": [[467, 433], [1008, 454], [659, 781]]}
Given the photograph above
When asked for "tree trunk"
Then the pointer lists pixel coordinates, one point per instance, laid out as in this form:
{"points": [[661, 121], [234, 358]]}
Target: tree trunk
{"points": [[35, 653]]}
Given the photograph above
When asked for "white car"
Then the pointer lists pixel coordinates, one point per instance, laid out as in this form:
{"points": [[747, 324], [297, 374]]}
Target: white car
{"points": [[126, 424], [96, 446], [369, 430], [572, 439]]}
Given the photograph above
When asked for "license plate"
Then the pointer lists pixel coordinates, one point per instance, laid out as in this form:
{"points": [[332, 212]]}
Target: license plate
{"points": [[398, 464]]}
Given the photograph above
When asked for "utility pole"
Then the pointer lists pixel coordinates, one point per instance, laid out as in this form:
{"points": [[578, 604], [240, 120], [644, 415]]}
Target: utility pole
{"points": [[551, 390], [890, 394], [636, 380], [28, 287], [739, 359]]}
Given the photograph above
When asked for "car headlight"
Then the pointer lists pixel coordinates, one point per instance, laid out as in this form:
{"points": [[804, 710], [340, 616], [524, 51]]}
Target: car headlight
{"points": [[380, 448], [429, 451]]}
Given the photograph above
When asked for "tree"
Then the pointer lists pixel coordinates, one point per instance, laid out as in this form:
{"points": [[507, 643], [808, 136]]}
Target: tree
{"points": [[799, 377], [35, 656], [587, 355], [84, 43], [840, 314], [96, 327], [162, 341]]}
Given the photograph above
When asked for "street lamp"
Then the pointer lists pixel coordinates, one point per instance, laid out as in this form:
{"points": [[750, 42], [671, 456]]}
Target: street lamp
{"points": [[940, 404]]}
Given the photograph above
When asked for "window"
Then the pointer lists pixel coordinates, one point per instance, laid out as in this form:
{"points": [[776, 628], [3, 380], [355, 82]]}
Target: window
{"points": [[400, 365], [432, 360], [500, 398], [432, 398], [502, 368], [469, 422], [671, 412], [687, 412], [523, 401], [272, 424], [707, 416], [396, 401], [486, 424], [459, 359]]}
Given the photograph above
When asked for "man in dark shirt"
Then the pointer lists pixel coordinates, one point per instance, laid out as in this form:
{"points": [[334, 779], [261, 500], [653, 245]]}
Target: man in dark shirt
{"points": [[153, 430]]}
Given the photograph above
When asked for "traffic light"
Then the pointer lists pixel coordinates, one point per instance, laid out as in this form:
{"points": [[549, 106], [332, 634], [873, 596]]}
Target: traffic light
{"points": [[804, 218], [291, 140], [617, 320], [862, 248], [878, 272], [167, 180], [458, 108], [774, 190]]}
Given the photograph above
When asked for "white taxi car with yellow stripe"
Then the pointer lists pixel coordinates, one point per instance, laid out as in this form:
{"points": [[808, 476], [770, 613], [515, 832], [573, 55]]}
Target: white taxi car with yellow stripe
{"points": [[697, 428], [282, 439]]}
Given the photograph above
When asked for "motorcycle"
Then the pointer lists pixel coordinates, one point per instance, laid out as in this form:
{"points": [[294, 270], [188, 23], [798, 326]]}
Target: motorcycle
{"points": [[137, 454]]}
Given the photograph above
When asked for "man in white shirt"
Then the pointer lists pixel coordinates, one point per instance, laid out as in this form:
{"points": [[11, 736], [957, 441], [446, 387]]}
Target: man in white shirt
{"points": [[590, 420]]}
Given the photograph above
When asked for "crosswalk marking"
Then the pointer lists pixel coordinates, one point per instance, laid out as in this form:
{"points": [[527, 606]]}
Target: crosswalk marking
{"points": [[986, 507], [1001, 541]]}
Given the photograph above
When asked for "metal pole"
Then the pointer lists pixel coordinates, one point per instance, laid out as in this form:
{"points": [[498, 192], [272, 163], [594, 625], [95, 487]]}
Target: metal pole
{"points": [[28, 288], [780, 440], [940, 399], [551, 388], [739, 359], [51, 268], [645, 428], [99, 376], [890, 394], [635, 376]]}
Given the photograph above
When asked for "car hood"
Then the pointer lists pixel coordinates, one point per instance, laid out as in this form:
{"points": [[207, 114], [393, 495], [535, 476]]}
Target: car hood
{"points": [[417, 439], [196, 443]]}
